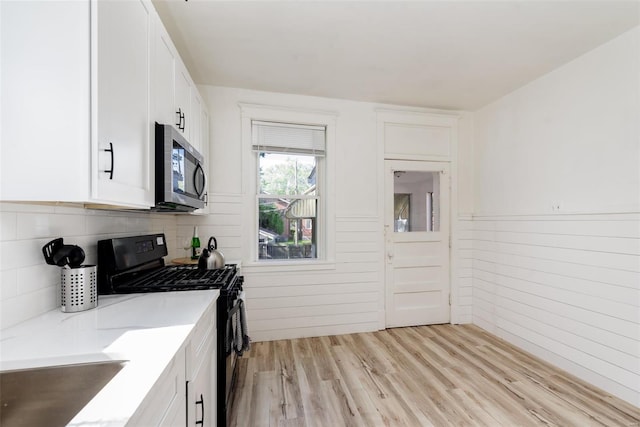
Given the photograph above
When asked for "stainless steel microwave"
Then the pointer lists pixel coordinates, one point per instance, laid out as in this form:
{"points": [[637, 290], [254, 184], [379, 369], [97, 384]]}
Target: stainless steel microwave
{"points": [[180, 177]]}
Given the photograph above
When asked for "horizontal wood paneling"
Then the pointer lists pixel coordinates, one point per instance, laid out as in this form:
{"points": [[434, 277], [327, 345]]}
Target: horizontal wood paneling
{"points": [[268, 328], [462, 289], [344, 297], [347, 296], [566, 287], [224, 223]]}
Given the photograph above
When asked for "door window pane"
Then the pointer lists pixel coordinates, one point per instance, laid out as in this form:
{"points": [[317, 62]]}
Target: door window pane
{"points": [[416, 201]]}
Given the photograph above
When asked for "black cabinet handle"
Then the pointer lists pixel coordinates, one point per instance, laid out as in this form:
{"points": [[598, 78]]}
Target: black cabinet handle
{"points": [[180, 115], [199, 170], [110, 150], [201, 403], [186, 396], [182, 121]]}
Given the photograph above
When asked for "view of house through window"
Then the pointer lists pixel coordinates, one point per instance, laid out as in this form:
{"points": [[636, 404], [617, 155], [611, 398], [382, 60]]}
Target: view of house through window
{"points": [[287, 197]]}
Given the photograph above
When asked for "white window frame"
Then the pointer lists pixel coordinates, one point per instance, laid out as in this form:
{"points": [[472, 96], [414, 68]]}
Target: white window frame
{"points": [[326, 217]]}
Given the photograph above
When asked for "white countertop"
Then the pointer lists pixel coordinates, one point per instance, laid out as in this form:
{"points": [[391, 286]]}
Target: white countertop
{"points": [[146, 330]]}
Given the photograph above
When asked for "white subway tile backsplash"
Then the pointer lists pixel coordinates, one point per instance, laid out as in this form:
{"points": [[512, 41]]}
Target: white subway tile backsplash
{"points": [[8, 221], [37, 277], [26, 207], [36, 225], [8, 284], [70, 210], [107, 225], [28, 286], [20, 253]]}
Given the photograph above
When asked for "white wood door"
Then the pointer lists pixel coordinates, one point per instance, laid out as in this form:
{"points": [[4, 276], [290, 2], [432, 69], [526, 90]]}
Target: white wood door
{"points": [[417, 279]]}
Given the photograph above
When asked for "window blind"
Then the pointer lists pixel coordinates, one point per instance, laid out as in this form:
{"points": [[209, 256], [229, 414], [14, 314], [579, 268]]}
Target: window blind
{"points": [[283, 138]]}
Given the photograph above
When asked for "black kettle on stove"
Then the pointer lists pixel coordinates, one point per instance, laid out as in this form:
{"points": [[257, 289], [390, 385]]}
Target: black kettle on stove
{"points": [[211, 258]]}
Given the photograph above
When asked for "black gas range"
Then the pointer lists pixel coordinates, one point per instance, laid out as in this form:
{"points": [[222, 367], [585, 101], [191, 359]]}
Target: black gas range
{"points": [[136, 265]]}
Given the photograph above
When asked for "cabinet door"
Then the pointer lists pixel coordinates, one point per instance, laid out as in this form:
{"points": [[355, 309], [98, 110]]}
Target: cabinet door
{"points": [[195, 120], [163, 76], [183, 98], [165, 405], [45, 100], [201, 391], [120, 57]]}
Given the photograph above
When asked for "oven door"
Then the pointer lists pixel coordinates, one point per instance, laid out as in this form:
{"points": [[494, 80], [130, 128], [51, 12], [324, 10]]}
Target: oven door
{"points": [[228, 306], [231, 358]]}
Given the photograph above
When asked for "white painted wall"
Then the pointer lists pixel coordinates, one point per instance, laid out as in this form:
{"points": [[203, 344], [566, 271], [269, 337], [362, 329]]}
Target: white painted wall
{"points": [[347, 296], [556, 228], [568, 139]]}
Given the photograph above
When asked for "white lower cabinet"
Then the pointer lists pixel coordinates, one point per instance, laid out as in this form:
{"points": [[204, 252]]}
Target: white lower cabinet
{"points": [[165, 405], [200, 372], [201, 387], [185, 394]]}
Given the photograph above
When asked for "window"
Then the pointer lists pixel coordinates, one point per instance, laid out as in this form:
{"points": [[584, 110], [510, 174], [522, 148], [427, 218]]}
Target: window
{"points": [[290, 169], [416, 201]]}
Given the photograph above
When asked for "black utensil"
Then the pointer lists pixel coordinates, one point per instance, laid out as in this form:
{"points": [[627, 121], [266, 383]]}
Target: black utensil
{"points": [[57, 253]]}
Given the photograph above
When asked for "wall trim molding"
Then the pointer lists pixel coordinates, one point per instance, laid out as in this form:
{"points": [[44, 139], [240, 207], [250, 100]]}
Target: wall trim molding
{"points": [[564, 216], [246, 107]]}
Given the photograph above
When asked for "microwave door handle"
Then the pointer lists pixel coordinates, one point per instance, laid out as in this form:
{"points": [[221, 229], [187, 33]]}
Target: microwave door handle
{"points": [[199, 192]]}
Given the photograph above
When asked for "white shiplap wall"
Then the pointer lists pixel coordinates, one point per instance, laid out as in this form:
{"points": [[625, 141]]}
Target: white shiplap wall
{"points": [[463, 271], [556, 217], [566, 287], [346, 293], [345, 297], [340, 297]]}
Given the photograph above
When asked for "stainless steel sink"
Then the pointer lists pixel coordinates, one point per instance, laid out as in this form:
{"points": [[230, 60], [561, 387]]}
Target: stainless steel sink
{"points": [[51, 396]]}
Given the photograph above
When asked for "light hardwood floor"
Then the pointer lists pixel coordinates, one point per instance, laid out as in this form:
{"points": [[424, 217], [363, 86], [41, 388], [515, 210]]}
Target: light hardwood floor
{"points": [[440, 375]]}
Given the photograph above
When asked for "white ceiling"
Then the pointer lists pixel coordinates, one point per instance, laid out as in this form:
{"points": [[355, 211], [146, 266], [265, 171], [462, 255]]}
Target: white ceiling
{"points": [[442, 54]]}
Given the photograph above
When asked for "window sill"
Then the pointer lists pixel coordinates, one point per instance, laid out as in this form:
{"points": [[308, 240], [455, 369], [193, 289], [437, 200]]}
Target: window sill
{"points": [[287, 266]]}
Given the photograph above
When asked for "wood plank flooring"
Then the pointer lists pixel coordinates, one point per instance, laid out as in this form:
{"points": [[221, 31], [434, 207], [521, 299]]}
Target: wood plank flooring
{"points": [[441, 375]]}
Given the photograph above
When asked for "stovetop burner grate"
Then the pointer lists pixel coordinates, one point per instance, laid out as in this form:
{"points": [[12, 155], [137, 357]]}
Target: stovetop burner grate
{"points": [[181, 278]]}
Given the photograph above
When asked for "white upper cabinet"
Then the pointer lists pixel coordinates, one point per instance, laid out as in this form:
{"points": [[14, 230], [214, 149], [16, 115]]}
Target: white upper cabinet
{"points": [[79, 101], [182, 104], [175, 96], [195, 122], [71, 91], [121, 108], [163, 76], [45, 144]]}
